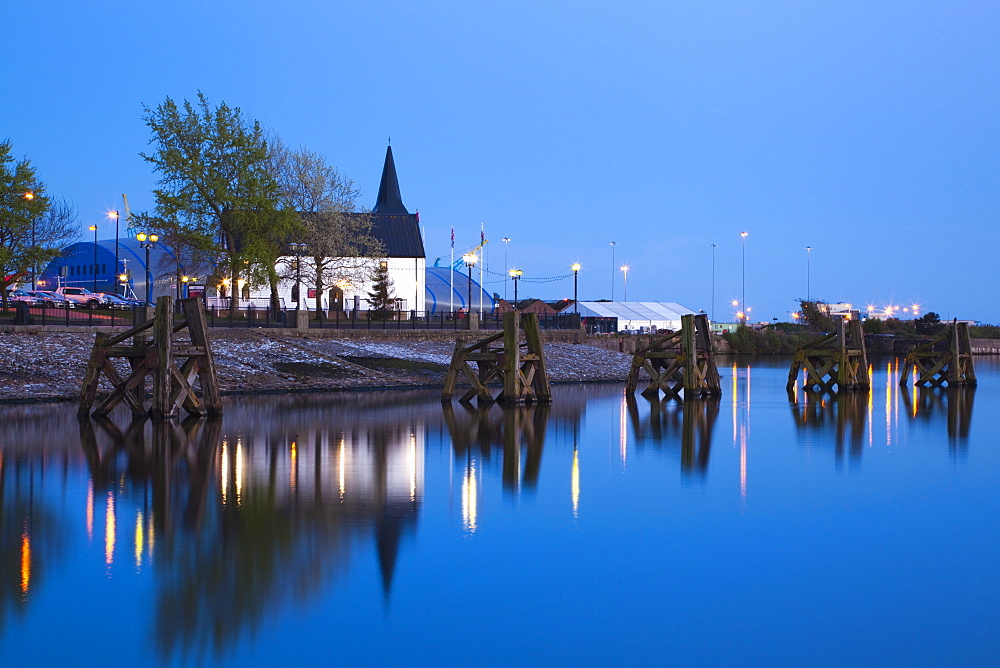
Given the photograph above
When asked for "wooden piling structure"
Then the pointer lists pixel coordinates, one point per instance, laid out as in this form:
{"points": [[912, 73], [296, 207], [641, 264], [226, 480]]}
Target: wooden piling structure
{"points": [[945, 359], [154, 357], [680, 361], [502, 358], [833, 359]]}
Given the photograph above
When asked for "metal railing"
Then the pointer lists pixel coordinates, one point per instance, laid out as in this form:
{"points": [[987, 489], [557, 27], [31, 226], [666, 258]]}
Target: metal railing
{"points": [[257, 317]]}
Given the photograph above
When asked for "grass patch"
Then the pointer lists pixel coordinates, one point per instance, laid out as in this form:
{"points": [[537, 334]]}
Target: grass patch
{"points": [[315, 370]]}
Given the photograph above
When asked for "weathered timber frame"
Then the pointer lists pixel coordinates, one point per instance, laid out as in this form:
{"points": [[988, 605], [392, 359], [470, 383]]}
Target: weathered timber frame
{"points": [[155, 357], [834, 359], [679, 361], [502, 358], [946, 359]]}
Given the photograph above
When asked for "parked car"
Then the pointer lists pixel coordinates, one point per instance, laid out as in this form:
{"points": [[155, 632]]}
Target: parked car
{"points": [[23, 296], [118, 302], [50, 298], [81, 295]]}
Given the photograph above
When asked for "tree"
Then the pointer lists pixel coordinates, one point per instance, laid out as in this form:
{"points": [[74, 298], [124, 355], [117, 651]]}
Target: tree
{"points": [[216, 189], [381, 300], [929, 323], [338, 241], [33, 227]]}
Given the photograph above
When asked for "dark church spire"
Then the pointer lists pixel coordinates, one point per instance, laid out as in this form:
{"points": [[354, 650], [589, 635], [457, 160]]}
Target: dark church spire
{"points": [[389, 199]]}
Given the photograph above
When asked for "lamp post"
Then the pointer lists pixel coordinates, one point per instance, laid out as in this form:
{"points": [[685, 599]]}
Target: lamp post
{"points": [[114, 214], [743, 296], [808, 263], [713, 282], [94, 228], [470, 262], [34, 268], [184, 282], [147, 241], [613, 244], [298, 248], [576, 274], [506, 265], [625, 269], [515, 274]]}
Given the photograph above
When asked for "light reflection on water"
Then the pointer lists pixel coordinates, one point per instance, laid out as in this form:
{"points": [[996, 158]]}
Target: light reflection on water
{"points": [[365, 527]]}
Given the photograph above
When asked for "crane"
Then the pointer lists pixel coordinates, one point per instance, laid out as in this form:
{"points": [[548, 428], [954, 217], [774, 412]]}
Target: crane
{"points": [[459, 263]]}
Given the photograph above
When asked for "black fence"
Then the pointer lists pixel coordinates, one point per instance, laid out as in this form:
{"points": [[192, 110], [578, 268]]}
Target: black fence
{"points": [[252, 317], [83, 315]]}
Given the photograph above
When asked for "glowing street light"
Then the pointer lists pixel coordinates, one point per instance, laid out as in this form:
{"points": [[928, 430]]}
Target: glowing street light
{"points": [[94, 228], [576, 273], [515, 275], [743, 296], [625, 269], [147, 241], [470, 261], [114, 215]]}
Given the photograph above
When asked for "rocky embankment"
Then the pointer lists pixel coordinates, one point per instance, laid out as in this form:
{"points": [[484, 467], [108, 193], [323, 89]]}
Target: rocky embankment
{"points": [[50, 365]]}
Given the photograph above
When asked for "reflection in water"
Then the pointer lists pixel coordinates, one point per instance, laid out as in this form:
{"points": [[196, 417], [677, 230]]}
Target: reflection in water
{"points": [[665, 422], [928, 403], [850, 415], [476, 431], [245, 519], [844, 413]]}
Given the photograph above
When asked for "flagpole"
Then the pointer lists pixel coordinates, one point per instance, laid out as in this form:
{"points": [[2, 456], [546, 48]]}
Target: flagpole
{"points": [[451, 274], [482, 246]]}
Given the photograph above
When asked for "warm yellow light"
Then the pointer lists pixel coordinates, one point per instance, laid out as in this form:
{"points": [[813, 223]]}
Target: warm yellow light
{"points": [[744, 234], [576, 267], [92, 228], [112, 215], [185, 279], [735, 302], [123, 278], [141, 236], [795, 316], [29, 196], [470, 259], [516, 273], [225, 281], [154, 238]]}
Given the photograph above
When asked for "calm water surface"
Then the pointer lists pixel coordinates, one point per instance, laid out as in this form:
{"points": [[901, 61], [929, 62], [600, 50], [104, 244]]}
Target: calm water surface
{"points": [[380, 528]]}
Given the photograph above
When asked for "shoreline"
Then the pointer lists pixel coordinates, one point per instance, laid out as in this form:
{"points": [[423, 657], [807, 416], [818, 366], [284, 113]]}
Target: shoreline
{"points": [[49, 367]]}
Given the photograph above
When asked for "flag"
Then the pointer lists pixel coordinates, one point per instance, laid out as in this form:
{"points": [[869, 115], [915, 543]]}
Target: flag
{"points": [[482, 234], [453, 236]]}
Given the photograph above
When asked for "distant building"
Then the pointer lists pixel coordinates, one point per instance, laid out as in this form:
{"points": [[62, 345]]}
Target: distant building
{"points": [[634, 316]]}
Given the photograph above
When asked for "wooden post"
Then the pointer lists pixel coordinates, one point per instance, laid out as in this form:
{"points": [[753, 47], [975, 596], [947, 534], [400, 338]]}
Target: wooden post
{"points": [[833, 360], [945, 359], [172, 385], [502, 358], [678, 361]]}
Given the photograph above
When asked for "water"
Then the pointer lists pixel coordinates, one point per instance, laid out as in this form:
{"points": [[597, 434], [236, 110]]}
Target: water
{"points": [[378, 528]]}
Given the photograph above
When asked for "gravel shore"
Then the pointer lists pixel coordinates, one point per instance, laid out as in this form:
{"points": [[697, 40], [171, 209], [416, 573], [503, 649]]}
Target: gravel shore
{"points": [[50, 366]]}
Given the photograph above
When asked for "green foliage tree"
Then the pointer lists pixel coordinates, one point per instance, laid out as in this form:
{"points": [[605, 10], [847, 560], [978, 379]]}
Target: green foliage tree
{"points": [[339, 245], [381, 300], [217, 191], [816, 315], [33, 227], [928, 323]]}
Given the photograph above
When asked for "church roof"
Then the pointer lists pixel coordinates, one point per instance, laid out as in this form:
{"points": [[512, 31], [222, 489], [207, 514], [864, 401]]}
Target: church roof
{"points": [[400, 234], [389, 199]]}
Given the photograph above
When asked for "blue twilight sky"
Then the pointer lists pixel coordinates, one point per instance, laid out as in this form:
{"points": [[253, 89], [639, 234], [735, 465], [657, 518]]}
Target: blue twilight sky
{"points": [[869, 131]]}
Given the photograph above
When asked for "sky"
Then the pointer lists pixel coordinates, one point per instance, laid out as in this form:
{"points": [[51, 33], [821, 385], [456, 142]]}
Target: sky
{"points": [[866, 131]]}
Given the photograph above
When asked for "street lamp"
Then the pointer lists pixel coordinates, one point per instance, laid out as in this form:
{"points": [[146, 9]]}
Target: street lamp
{"points": [[506, 240], [613, 244], [515, 274], [808, 262], [28, 195], [470, 261], [713, 281], [147, 241], [576, 274], [625, 269], [114, 214], [743, 297], [94, 228], [298, 248]]}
